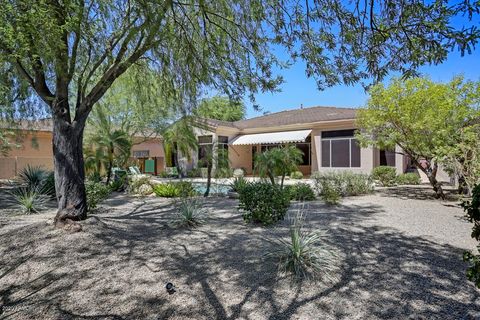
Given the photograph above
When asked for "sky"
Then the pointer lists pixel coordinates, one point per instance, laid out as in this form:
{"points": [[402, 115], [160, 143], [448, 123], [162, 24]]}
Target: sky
{"points": [[297, 89]]}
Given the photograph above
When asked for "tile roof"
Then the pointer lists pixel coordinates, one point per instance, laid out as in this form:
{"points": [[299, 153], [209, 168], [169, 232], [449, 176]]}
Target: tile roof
{"points": [[289, 117]]}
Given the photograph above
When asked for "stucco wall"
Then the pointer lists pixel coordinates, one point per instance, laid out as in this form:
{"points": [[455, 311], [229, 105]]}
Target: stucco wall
{"points": [[240, 157], [154, 146]]}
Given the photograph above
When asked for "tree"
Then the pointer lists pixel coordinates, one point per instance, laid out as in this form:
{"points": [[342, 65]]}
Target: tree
{"points": [[423, 118], [221, 108], [71, 52], [278, 161]]}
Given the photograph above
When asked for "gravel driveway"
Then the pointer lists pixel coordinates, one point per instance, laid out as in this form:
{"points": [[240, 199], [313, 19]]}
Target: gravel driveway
{"points": [[399, 258]]}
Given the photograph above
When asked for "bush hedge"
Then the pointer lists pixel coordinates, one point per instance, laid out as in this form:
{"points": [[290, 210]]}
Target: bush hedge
{"points": [[385, 175], [300, 192], [408, 178], [344, 183]]}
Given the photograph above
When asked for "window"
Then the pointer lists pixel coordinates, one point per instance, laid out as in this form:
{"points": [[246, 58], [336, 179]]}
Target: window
{"points": [[223, 148], [387, 158], [340, 149], [204, 148], [304, 147]]}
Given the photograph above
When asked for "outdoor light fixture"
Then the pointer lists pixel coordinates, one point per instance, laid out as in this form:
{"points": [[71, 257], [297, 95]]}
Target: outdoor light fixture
{"points": [[170, 288]]}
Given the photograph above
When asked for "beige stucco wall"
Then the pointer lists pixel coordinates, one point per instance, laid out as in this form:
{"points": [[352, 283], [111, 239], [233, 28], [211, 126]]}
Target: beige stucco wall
{"points": [[155, 147]]}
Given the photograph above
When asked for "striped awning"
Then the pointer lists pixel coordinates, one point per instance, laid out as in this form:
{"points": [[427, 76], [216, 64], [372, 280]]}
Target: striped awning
{"points": [[271, 137]]}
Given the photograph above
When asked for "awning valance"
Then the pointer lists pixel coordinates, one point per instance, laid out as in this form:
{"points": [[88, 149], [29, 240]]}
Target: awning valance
{"points": [[271, 137]]}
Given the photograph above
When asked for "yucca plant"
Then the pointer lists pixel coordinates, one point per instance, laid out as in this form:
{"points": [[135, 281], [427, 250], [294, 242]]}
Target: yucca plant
{"points": [[29, 200], [304, 254], [32, 176], [189, 213]]}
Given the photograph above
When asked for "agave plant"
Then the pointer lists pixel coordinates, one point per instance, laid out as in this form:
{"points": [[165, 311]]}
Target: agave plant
{"points": [[189, 213], [32, 176], [304, 254], [29, 200]]}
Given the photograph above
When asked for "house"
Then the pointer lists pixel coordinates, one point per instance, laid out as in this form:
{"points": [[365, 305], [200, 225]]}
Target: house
{"points": [[35, 149], [325, 135]]}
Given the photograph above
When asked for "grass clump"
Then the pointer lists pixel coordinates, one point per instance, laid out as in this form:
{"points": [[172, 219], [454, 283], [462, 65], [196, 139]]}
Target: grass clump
{"points": [[29, 200], [182, 189], [238, 184], [189, 213], [304, 254]]}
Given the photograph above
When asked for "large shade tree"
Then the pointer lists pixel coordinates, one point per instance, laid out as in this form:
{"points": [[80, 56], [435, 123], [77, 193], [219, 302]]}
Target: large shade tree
{"points": [[220, 108], [70, 52], [424, 118]]}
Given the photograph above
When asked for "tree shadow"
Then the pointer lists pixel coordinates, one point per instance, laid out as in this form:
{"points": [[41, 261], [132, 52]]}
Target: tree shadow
{"points": [[417, 192], [124, 258]]}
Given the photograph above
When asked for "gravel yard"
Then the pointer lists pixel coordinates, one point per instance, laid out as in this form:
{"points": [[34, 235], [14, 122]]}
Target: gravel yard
{"points": [[399, 258]]}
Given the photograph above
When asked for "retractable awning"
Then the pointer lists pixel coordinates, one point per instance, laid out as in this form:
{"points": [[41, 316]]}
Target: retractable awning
{"points": [[271, 137]]}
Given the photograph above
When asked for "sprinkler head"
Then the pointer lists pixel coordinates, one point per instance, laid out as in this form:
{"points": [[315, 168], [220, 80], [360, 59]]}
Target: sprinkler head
{"points": [[170, 288]]}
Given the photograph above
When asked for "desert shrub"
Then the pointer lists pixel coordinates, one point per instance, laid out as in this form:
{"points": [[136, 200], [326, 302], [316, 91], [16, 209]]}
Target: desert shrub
{"points": [[29, 200], [175, 189], [296, 175], [238, 184], [38, 180], [189, 212], [193, 173], [472, 210], [300, 192], [119, 184], [145, 190], [385, 175], [135, 182], [408, 178], [304, 254], [96, 192], [263, 202], [239, 172], [344, 183], [330, 194]]}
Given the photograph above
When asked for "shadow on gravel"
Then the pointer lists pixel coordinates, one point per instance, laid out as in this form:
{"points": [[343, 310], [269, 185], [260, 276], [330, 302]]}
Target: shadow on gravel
{"points": [[122, 261], [420, 192]]}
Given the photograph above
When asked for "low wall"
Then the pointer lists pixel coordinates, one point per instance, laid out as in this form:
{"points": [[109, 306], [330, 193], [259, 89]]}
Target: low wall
{"points": [[10, 167]]}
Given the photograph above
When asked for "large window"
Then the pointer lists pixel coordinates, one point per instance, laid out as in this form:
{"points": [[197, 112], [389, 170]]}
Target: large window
{"points": [[304, 147], [223, 149], [387, 158], [340, 149]]}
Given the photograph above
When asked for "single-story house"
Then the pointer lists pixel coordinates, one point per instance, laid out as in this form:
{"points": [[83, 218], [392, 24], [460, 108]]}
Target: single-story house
{"points": [[34, 139], [325, 135]]}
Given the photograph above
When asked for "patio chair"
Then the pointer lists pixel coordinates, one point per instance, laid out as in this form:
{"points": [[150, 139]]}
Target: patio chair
{"points": [[134, 170]]}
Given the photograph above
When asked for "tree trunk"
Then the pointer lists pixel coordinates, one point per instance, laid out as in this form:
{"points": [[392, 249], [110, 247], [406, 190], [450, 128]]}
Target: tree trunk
{"points": [[209, 178], [69, 170], [432, 178], [110, 165]]}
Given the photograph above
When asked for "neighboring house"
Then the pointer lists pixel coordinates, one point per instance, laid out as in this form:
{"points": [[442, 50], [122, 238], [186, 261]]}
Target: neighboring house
{"points": [[325, 135], [35, 149]]}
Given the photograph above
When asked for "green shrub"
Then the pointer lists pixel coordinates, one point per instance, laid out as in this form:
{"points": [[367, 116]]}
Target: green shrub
{"points": [[96, 192], [344, 183], [175, 189], [472, 210], [194, 173], [330, 194], [189, 213], [296, 175], [300, 192], [135, 182], [304, 254], [408, 178], [29, 200], [238, 184], [263, 202], [385, 175], [38, 180], [223, 173]]}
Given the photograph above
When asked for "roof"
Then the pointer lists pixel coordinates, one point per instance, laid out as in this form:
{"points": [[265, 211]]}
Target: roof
{"points": [[289, 117]]}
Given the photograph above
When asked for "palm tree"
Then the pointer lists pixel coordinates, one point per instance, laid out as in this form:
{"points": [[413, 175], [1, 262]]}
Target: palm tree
{"points": [[114, 144], [278, 161], [179, 137]]}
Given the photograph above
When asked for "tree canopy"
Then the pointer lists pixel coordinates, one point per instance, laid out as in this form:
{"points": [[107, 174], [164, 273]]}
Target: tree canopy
{"points": [[66, 55], [424, 118], [221, 108]]}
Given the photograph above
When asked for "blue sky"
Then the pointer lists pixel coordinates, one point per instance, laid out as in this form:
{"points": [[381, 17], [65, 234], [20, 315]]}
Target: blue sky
{"points": [[298, 89]]}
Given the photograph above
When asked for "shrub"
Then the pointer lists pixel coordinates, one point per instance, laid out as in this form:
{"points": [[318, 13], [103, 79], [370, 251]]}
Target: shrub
{"points": [[300, 192], [408, 178], [472, 210], [385, 175], [330, 194], [344, 183], [303, 255], [135, 182], [194, 173], [238, 184], [263, 202], [175, 189], [29, 200], [145, 190], [189, 213], [96, 192], [223, 173], [296, 175], [239, 173], [36, 179]]}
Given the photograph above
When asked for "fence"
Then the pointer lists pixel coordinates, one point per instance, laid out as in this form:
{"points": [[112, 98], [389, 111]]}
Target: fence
{"points": [[10, 167]]}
